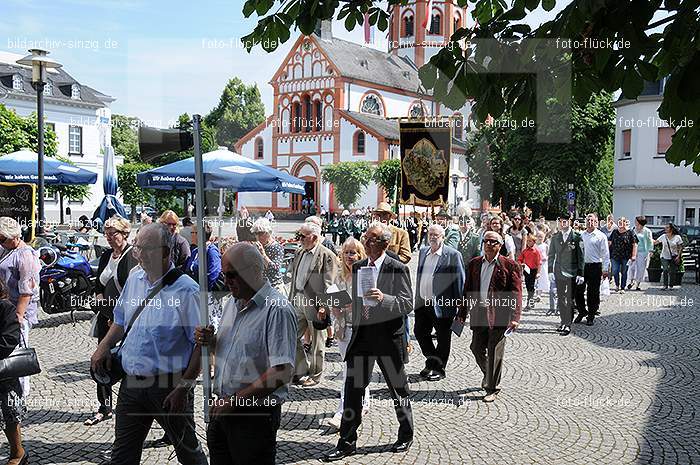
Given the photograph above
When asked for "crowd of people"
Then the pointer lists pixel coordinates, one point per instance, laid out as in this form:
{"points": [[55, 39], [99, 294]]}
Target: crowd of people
{"points": [[266, 335]]}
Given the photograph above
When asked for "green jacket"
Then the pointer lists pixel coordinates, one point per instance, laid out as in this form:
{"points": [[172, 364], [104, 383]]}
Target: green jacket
{"points": [[566, 258]]}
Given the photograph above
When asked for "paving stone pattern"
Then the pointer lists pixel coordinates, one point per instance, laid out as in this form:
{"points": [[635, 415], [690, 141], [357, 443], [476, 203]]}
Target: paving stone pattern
{"points": [[623, 391]]}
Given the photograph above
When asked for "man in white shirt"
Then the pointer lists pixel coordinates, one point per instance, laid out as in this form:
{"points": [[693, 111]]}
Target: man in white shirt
{"points": [[438, 294], [596, 257]]}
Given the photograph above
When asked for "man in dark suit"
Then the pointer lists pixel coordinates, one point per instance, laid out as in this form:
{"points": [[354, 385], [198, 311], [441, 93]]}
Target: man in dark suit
{"points": [[378, 335], [439, 288], [493, 297], [565, 267]]}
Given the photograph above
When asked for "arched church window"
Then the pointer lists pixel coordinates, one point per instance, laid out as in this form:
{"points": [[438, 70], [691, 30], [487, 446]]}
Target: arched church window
{"points": [[371, 105]]}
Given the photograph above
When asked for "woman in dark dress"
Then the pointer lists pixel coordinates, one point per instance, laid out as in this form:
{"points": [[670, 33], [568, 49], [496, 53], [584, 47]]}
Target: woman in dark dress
{"points": [[12, 407], [113, 269], [623, 249]]}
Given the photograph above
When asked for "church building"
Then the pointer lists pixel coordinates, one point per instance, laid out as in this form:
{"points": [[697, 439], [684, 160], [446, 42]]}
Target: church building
{"points": [[336, 100]]}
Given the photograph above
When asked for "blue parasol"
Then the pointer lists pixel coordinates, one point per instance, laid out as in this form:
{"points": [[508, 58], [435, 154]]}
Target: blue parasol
{"points": [[21, 166], [110, 205]]}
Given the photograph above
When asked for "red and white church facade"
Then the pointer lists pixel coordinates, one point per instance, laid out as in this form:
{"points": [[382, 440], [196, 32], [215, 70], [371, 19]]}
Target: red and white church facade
{"points": [[336, 100]]}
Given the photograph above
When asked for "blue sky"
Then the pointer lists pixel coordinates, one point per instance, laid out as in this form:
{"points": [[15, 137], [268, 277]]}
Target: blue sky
{"points": [[157, 58]]}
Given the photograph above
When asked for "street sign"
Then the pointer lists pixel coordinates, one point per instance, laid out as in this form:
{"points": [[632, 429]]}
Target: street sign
{"points": [[571, 196]]}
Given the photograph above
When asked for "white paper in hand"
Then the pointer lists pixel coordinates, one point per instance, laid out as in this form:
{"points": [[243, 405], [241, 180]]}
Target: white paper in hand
{"points": [[367, 279]]}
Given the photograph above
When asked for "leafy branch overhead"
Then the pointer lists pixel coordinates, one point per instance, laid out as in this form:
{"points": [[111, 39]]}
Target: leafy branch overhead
{"points": [[655, 39]]}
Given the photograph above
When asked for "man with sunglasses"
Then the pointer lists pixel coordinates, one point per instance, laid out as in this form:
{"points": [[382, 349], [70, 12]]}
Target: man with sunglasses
{"points": [[493, 298], [378, 330], [159, 307]]}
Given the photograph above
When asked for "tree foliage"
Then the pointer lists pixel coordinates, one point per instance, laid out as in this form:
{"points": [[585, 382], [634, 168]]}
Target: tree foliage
{"points": [[387, 175], [125, 137], [658, 38], [510, 165], [131, 192], [349, 179], [240, 109], [17, 132]]}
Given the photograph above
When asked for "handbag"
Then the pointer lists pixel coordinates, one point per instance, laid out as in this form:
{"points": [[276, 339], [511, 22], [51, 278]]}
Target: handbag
{"points": [[20, 363], [112, 375]]}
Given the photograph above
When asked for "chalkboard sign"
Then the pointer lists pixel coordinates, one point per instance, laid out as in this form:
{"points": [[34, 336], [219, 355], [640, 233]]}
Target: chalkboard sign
{"points": [[17, 201]]}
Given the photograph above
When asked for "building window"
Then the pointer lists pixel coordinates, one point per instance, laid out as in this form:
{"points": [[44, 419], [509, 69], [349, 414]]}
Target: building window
{"points": [[408, 26], [627, 143], [75, 92], [308, 117], [75, 140], [371, 105], [664, 141], [435, 24], [318, 113], [459, 125], [259, 149], [359, 143], [51, 126], [417, 111], [296, 118], [665, 219], [17, 83], [48, 89], [690, 216]]}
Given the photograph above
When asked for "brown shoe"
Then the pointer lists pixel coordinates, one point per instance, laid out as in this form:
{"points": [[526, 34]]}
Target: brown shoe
{"points": [[490, 397]]}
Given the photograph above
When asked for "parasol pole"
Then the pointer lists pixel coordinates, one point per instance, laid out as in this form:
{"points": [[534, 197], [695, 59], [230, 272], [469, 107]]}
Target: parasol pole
{"points": [[202, 260]]}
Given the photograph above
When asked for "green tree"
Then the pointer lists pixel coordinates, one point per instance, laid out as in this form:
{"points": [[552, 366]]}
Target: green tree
{"points": [[131, 192], [125, 137], [240, 109], [17, 132], [660, 38], [510, 165], [349, 179], [388, 176]]}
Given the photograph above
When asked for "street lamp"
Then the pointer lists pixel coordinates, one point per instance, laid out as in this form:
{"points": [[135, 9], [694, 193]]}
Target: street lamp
{"points": [[455, 181], [39, 62]]}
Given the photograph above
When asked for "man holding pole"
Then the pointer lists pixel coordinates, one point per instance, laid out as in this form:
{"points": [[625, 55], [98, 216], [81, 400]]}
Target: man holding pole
{"points": [[255, 350]]}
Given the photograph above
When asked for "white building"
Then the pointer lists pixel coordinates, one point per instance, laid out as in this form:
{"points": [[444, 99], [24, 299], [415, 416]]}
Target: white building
{"points": [[79, 115], [645, 183], [337, 101]]}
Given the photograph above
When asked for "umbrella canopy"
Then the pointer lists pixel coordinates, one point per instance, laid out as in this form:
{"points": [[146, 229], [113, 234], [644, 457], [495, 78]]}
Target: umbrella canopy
{"points": [[110, 205], [223, 169], [22, 166]]}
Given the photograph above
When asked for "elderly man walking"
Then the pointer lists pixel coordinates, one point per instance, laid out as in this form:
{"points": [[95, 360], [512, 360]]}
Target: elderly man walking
{"points": [[154, 318], [254, 354], [400, 244], [378, 335], [439, 287], [565, 266], [313, 271], [493, 298]]}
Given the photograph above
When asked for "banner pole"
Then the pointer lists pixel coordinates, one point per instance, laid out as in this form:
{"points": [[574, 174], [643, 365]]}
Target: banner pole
{"points": [[201, 259]]}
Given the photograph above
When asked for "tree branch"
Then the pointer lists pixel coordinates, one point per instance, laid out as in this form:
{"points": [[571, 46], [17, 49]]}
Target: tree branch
{"points": [[667, 19]]}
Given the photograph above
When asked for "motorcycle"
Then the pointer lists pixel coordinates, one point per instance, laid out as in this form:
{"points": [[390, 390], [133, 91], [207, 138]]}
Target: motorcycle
{"points": [[67, 279]]}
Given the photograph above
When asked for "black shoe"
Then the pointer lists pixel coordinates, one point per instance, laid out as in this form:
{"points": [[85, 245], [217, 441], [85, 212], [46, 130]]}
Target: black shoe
{"points": [[560, 328], [589, 322], [424, 372], [329, 342], [433, 376], [340, 452], [597, 312], [579, 318], [162, 442], [401, 446], [566, 331]]}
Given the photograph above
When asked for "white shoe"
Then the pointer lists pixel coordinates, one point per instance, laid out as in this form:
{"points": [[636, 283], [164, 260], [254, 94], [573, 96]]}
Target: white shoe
{"points": [[335, 421]]}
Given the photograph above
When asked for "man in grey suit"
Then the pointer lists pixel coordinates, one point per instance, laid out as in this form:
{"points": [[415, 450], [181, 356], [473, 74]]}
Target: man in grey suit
{"points": [[565, 267], [313, 271], [439, 288]]}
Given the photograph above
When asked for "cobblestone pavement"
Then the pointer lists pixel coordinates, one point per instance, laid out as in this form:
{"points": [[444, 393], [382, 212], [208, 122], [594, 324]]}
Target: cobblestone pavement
{"points": [[622, 391]]}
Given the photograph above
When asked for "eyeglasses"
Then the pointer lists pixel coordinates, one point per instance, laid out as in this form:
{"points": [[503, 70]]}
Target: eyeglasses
{"points": [[373, 240], [112, 233], [491, 242], [140, 248]]}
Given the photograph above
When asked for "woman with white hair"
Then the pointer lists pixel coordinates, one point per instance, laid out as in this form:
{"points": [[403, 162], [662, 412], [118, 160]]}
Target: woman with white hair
{"points": [[272, 252], [19, 270]]}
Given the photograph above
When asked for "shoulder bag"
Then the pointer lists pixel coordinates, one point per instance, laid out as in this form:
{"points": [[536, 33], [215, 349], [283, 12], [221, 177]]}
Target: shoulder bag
{"points": [[20, 363]]}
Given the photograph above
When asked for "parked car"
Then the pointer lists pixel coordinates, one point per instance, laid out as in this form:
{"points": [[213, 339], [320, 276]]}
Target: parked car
{"points": [[150, 211]]}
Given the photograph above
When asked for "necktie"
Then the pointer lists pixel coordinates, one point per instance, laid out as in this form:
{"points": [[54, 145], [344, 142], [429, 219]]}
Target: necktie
{"points": [[365, 308]]}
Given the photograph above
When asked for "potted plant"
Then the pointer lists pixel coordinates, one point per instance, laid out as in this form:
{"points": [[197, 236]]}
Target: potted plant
{"points": [[654, 269], [678, 278]]}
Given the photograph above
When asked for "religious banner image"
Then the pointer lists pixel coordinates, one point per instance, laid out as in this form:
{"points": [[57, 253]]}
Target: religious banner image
{"points": [[426, 146]]}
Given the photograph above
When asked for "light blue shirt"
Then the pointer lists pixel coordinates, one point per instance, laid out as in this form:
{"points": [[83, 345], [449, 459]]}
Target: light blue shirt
{"points": [[252, 339], [162, 338]]}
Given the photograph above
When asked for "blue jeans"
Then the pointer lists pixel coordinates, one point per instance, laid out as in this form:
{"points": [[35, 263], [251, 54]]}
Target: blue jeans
{"points": [[619, 266]]}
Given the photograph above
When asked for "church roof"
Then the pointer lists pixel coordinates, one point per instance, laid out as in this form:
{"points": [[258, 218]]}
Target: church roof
{"points": [[371, 65]]}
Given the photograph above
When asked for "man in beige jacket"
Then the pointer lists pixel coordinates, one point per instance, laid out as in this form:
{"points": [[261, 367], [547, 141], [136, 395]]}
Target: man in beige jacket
{"points": [[399, 244], [313, 271]]}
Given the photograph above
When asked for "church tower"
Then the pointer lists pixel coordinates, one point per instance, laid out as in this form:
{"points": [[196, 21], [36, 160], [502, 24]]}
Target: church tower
{"points": [[418, 34]]}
